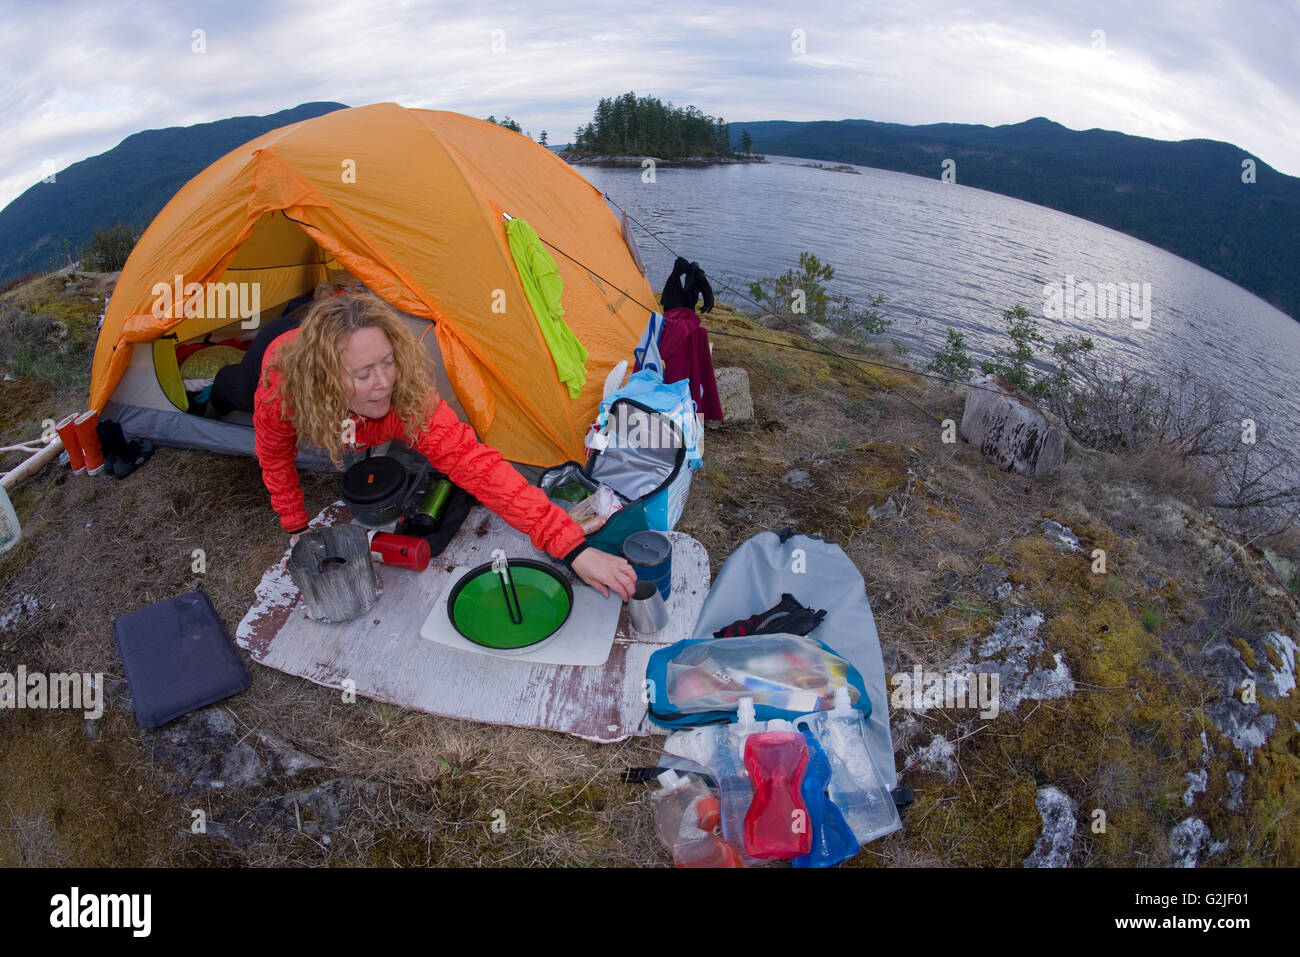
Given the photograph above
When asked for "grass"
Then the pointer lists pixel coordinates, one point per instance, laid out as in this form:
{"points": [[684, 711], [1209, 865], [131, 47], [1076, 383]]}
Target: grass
{"points": [[459, 793], [779, 368], [862, 410]]}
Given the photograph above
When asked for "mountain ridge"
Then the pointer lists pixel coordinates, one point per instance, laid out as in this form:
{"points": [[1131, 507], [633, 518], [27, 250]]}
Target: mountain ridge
{"points": [[1187, 197], [145, 169]]}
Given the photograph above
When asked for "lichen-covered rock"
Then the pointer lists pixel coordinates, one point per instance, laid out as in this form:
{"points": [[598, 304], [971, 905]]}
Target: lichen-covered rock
{"points": [[1063, 535], [1237, 712], [879, 513], [1057, 840], [1008, 428], [1277, 681], [1235, 779], [1186, 840], [314, 811], [797, 478], [991, 583], [208, 751], [1197, 782], [939, 756], [1011, 651]]}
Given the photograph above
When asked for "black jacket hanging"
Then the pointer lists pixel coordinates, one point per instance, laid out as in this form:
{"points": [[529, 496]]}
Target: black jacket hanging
{"points": [[685, 286]]}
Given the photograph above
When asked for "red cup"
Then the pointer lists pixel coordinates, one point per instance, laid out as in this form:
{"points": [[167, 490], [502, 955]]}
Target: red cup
{"points": [[401, 551], [68, 433], [85, 425]]}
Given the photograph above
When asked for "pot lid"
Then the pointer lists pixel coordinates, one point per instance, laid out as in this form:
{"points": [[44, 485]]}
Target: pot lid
{"points": [[647, 548], [373, 480]]}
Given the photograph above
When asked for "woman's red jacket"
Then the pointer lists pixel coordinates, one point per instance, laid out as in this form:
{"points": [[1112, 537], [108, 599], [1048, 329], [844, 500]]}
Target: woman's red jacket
{"points": [[450, 446]]}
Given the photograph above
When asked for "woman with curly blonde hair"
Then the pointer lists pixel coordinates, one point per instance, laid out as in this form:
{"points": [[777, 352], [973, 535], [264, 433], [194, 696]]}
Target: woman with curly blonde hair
{"points": [[352, 376]]}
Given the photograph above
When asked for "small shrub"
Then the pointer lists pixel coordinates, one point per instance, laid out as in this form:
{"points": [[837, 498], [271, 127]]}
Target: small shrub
{"points": [[109, 249], [25, 338], [36, 345], [779, 368], [801, 293], [1013, 364], [953, 361]]}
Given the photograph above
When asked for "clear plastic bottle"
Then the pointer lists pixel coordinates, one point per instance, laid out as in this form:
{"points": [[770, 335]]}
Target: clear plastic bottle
{"points": [[833, 841], [735, 792], [856, 787], [685, 817]]}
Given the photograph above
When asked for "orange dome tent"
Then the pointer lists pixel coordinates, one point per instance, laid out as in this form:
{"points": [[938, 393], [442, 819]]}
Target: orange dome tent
{"points": [[411, 202]]}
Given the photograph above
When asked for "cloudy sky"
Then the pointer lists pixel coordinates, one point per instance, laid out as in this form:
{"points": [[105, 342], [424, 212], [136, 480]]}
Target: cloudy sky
{"points": [[78, 77]]}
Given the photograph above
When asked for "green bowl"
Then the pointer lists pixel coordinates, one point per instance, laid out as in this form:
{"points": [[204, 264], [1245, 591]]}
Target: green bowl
{"points": [[477, 606]]}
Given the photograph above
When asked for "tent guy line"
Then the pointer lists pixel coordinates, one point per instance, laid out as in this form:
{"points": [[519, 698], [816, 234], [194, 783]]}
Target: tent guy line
{"points": [[858, 363]]}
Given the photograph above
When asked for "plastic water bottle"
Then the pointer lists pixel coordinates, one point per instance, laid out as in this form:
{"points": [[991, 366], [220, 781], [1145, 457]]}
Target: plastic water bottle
{"points": [[735, 790], [855, 785], [721, 749], [685, 817], [777, 825], [833, 840]]}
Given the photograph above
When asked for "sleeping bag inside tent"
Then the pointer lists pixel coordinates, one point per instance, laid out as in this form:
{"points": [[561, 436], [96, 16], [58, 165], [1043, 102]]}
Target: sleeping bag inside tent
{"points": [[414, 204]]}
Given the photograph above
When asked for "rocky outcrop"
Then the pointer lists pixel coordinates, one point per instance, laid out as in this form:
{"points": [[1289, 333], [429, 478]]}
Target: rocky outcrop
{"points": [[1057, 839]]}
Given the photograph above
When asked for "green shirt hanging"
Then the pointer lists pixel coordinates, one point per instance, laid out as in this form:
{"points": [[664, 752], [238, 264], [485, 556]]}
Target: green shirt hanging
{"points": [[544, 287]]}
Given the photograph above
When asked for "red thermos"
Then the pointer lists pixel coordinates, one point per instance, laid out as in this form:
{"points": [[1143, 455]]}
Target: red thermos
{"points": [[400, 551]]}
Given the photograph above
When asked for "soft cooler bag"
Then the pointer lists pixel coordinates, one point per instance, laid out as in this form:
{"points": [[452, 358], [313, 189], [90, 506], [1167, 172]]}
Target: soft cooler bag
{"points": [[643, 452], [671, 399]]}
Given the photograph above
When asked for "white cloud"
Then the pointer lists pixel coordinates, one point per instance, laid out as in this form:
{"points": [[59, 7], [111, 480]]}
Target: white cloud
{"points": [[78, 78]]}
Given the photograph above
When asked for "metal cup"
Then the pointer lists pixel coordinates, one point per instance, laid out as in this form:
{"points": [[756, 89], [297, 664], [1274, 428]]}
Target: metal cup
{"points": [[647, 610]]}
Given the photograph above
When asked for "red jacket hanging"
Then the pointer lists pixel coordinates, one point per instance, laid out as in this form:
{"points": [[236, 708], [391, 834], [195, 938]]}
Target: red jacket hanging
{"points": [[684, 347], [450, 446]]}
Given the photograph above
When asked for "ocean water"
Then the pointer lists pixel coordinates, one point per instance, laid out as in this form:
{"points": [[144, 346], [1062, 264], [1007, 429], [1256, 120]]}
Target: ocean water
{"points": [[946, 255]]}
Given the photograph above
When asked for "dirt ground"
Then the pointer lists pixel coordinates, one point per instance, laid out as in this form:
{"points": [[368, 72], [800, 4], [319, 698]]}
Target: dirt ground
{"points": [[398, 788]]}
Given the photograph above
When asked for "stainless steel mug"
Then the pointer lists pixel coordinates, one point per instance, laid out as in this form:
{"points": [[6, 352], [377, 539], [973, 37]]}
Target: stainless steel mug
{"points": [[647, 610]]}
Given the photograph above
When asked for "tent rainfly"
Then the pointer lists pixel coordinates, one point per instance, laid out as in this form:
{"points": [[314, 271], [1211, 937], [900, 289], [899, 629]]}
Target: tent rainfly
{"points": [[414, 203]]}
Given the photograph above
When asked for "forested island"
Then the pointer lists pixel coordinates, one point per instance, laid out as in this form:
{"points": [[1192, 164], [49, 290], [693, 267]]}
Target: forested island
{"points": [[626, 129]]}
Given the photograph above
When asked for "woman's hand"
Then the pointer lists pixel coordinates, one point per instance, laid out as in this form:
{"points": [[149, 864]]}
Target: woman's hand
{"points": [[293, 540], [600, 569]]}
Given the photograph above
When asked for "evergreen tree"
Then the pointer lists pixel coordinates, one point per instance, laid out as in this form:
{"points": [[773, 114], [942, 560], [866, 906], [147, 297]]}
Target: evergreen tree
{"points": [[647, 126]]}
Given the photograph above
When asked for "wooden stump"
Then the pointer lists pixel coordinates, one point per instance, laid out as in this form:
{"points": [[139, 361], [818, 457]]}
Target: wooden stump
{"points": [[334, 572], [733, 395], [1004, 424]]}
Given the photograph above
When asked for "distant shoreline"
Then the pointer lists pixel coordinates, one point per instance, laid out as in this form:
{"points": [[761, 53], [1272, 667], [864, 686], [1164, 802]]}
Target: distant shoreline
{"points": [[841, 168], [592, 159]]}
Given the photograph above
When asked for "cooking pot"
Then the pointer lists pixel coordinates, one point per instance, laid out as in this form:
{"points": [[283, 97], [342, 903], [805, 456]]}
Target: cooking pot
{"points": [[382, 488]]}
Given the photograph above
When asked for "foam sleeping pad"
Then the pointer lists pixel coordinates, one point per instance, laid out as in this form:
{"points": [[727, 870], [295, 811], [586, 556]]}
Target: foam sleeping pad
{"points": [[178, 657]]}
